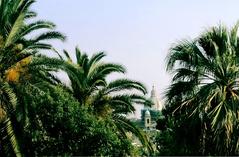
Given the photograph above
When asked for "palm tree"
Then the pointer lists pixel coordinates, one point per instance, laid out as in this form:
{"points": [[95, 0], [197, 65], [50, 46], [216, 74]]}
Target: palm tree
{"points": [[205, 85], [17, 46], [16, 42], [90, 87], [88, 74]]}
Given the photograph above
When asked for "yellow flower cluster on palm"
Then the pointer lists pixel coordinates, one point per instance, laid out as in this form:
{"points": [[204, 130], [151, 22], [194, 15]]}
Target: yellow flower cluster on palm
{"points": [[13, 74]]}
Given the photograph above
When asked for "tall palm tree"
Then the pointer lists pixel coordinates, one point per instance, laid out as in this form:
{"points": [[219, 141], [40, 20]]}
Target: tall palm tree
{"points": [[89, 74], [17, 46], [205, 85], [16, 41], [90, 87]]}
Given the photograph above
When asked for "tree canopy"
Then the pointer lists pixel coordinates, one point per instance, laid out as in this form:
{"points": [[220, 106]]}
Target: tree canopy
{"points": [[203, 96]]}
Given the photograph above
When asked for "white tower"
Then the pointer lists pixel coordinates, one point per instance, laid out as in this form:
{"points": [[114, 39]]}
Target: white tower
{"points": [[157, 105], [147, 119]]}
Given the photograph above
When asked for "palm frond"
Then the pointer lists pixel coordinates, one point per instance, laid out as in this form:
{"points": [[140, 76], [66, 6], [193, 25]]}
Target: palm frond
{"points": [[125, 84], [126, 126]]}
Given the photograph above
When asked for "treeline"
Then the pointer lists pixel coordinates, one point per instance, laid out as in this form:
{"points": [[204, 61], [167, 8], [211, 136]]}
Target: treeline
{"points": [[40, 115]]}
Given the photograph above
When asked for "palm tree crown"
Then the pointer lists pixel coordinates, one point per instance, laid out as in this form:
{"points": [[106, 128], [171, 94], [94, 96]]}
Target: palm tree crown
{"points": [[106, 98], [205, 82]]}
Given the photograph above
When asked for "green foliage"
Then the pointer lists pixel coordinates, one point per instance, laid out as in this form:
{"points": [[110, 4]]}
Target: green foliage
{"points": [[165, 143], [203, 97], [16, 50], [103, 98], [60, 126], [178, 137]]}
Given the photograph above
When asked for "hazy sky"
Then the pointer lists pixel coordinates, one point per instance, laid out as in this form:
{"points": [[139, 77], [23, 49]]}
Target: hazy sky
{"points": [[135, 33]]}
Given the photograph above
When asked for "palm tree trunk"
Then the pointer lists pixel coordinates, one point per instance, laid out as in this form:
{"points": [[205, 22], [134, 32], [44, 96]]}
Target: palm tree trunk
{"points": [[13, 139]]}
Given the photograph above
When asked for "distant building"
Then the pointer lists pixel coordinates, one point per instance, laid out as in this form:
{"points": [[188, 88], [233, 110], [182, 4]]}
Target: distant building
{"points": [[147, 119], [149, 115], [157, 105]]}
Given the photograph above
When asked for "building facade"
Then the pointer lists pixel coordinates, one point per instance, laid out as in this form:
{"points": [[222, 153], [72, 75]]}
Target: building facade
{"points": [[149, 115]]}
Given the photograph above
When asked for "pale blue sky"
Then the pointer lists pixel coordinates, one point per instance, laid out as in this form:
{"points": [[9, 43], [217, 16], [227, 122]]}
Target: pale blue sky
{"points": [[135, 33]]}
